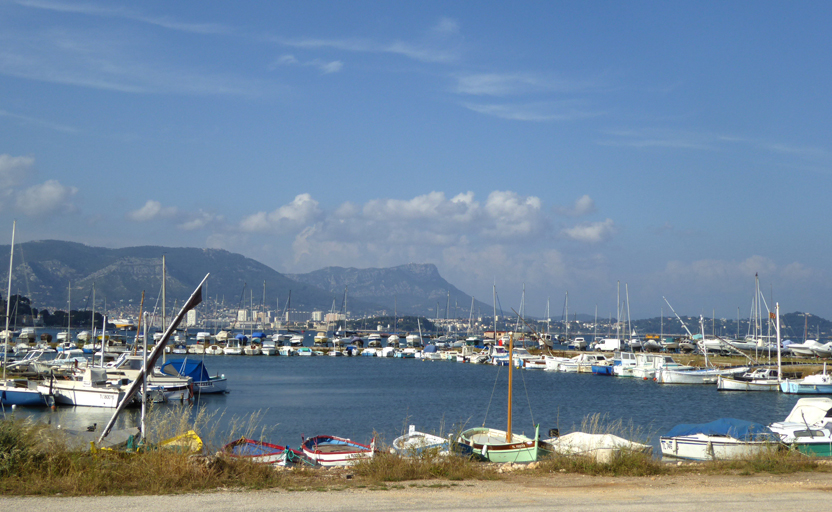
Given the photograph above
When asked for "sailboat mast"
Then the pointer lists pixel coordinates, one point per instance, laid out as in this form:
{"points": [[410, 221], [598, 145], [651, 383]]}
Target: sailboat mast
{"points": [[566, 307], [92, 320], [510, 367], [8, 304], [69, 311], [164, 310], [494, 337]]}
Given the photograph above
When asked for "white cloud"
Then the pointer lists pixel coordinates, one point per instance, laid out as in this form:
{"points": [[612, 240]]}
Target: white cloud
{"points": [[296, 215], [199, 220], [591, 232], [14, 169], [152, 210], [46, 198], [584, 205]]}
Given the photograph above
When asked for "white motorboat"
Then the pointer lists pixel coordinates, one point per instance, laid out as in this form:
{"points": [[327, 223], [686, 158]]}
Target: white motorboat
{"points": [[582, 363], [723, 439], [695, 376], [805, 349], [93, 390], [647, 365], [760, 379], [808, 427], [623, 363], [233, 347], [214, 350]]}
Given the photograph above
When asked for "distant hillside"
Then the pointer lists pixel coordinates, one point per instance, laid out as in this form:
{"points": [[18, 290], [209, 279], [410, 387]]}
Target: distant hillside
{"points": [[44, 269], [414, 288]]}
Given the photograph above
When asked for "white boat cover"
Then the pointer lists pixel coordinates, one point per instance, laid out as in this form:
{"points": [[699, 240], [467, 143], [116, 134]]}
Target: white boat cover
{"points": [[810, 410], [602, 447]]}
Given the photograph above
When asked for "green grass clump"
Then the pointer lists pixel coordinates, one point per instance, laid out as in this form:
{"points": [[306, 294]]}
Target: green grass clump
{"points": [[388, 467]]}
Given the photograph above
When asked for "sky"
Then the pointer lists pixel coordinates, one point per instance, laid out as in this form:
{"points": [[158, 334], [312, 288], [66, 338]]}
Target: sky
{"points": [[673, 148]]}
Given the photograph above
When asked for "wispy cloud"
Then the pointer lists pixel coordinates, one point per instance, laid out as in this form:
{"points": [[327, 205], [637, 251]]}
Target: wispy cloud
{"points": [[39, 122], [101, 59], [123, 13], [657, 138], [511, 84], [325, 67], [539, 111], [441, 44]]}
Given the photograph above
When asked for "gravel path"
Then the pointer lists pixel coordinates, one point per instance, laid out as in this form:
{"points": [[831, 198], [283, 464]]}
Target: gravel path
{"points": [[799, 492]]}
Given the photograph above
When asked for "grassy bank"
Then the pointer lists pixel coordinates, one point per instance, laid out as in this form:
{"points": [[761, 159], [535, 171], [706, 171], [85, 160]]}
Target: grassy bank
{"points": [[35, 460]]}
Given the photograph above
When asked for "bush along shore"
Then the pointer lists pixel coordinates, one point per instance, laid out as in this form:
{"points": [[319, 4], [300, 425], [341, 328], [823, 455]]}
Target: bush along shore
{"points": [[36, 459]]}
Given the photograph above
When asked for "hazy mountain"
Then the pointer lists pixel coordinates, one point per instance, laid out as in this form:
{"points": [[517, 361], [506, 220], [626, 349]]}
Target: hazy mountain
{"points": [[414, 288], [44, 269]]}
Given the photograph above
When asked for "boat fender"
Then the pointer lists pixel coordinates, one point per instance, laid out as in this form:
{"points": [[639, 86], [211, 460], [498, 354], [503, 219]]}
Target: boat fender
{"points": [[485, 450]]}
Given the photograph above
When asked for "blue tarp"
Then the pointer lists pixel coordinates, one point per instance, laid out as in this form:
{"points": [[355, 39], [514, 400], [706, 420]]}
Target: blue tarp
{"points": [[187, 368], [738, 429], [430, 348], [258, 335]]}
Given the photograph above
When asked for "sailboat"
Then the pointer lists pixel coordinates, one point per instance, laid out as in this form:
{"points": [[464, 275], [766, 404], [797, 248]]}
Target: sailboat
{"points": [[16, 392], [503, 445]]}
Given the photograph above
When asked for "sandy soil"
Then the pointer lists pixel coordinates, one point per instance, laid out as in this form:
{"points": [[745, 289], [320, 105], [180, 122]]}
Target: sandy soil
{"points": [[808, 491]]}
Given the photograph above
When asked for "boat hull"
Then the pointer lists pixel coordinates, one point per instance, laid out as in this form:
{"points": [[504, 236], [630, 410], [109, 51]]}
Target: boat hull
{"points": [[336, 451], [24, 397], [705, 447], [491, 444], [729, 384], [799, 388]]}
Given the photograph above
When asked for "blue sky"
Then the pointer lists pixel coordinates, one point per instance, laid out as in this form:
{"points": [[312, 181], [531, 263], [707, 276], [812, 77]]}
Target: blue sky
{"points": [[677, 147]]}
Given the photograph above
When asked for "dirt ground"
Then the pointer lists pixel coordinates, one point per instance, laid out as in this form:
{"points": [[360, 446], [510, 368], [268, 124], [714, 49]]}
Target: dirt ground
{"points": [[802, 491]]}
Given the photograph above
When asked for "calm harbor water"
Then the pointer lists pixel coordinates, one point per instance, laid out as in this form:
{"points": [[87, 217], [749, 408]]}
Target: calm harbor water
{"points": [[355, 396]]}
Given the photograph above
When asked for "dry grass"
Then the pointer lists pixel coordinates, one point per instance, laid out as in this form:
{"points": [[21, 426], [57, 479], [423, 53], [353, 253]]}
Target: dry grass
{"points": [[34, 459]]}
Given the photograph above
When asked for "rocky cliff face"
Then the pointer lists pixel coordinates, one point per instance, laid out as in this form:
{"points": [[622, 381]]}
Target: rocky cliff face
{"points": [[413, 288]]}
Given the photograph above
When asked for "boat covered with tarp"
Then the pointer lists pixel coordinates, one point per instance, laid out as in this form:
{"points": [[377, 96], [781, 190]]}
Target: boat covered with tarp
{"points": [[723, 439], [203, 382]]}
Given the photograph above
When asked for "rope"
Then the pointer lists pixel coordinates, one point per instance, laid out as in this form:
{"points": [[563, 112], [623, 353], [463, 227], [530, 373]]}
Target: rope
{"points": [[499, 368], [529, 400]]}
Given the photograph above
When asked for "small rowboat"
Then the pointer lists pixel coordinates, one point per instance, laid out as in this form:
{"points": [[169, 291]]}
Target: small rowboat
{"points": [[416, 443], [261, 452], [336, 451]]}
